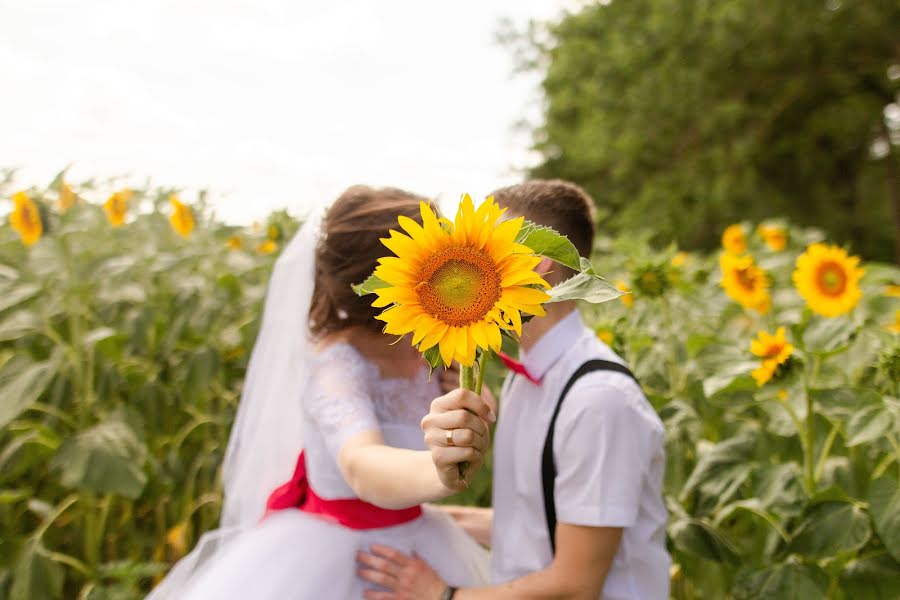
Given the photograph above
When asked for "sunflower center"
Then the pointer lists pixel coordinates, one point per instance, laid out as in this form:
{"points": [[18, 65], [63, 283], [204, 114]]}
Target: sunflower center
{"points": [[831, 278], [459, 285], [746, 279], [29, 217], [773, 350]]}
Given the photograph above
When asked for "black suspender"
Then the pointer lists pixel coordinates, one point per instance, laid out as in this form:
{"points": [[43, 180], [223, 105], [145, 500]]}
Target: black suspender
{"points": [[548, 464]]}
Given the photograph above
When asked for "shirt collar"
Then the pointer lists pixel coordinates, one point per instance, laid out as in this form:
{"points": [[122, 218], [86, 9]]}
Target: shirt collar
{"points": [[552, 345]]}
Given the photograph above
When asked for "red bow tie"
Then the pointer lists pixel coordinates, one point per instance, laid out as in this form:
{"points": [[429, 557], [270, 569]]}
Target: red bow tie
{"points": [[517, 367]]}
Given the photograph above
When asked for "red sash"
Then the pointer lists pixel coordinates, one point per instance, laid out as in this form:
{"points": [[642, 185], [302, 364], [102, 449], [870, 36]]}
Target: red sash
{"points": [[348, 512]]}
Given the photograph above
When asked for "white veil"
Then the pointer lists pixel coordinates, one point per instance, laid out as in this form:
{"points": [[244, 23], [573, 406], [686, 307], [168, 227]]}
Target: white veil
{"points": [[265, 439]]}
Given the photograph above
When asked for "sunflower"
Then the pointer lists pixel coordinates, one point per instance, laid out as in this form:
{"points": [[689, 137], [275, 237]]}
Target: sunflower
{"points": [[627, 298], [680, 259], [774, 236], [182, 219], [734, 241], [892, 290], [457, 287], [828, 279], [67, 197], [234, 242], [774, 350], [744, 282], [651, 280], [25, 218], [267, 247], [895, 326], [116, 207], [606, 335]]}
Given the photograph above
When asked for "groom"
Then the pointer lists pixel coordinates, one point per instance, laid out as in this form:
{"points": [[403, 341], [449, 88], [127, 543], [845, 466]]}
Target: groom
{"points": [[578, 457]]}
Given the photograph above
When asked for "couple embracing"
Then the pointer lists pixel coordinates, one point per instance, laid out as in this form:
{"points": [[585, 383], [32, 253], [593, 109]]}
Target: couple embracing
{"points": [[578, 455]]}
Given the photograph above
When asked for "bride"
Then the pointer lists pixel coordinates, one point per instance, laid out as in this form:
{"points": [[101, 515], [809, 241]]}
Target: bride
{"points": [[324, 379]]}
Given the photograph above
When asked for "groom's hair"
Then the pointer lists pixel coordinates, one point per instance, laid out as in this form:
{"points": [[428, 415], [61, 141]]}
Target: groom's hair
{"points": [[348, 251], [555, 203]]}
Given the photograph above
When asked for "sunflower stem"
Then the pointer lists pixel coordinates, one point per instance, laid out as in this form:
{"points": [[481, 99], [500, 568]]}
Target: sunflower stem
{"points": [[466, 382], [482, 360]]}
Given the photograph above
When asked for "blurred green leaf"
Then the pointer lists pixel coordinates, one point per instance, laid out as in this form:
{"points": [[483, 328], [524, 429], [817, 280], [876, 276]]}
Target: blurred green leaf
{"points": [[369, 286], [869, 424], [108, 458], [884, 503], [786, 581], [827, 335], [871, 578], [584, 286], [36, 577], [702, 540], [17, 295], [21, 384], [831, 528]]}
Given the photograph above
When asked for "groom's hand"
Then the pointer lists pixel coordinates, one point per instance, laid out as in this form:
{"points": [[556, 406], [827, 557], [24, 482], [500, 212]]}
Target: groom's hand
{"points": [[456, 431]]}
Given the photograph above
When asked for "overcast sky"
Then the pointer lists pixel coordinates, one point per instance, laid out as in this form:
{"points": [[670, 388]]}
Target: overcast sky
{"points": [[268, 103]]}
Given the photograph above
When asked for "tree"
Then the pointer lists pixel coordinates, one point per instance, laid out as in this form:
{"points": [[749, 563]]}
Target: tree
{"points": [[686, 115]]}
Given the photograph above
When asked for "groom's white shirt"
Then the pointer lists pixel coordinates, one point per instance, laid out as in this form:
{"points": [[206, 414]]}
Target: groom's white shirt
{"points": [[609, 457]]}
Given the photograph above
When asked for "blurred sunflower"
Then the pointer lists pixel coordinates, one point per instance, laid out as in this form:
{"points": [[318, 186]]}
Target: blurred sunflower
{"points": [[234, 243], [734, 240], [116, 207], [456, 288], [267, 247], [651, 280], [67, 197], [606, 335], [628, 298], [774, 236], [680, 259], [25, 219], [182, 219], [895, 326], [892, 290], [828, 279], [774, 352], [745, 282]]}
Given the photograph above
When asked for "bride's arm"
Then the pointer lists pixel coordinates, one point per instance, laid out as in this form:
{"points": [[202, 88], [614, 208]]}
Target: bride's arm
{"points": [[396, 478]]}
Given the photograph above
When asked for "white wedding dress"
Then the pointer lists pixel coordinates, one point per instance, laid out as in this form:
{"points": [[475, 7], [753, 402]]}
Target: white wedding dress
{"points": [[292, 555]]}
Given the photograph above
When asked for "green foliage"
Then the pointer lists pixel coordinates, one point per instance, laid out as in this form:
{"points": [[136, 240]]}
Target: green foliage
{"points": [[785, 490], [122, 352], [682, 116]]}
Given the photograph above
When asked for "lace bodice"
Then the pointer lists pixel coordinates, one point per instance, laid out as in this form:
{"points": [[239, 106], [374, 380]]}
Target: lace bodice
{"points": [[346, 395]]}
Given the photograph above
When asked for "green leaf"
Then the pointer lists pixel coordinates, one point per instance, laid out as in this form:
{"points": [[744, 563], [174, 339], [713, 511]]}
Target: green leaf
{"points": [[787, 581], [827, 335], [731, 378], [699, 539], [18, 324], [17, 295], [869, 424], [884, 504], [721, 464], [433, 357], [831, 528], [369, 286], [584, 286], [546, 242], [21, 384], [35, 575], [871, 578], [108, 458]]}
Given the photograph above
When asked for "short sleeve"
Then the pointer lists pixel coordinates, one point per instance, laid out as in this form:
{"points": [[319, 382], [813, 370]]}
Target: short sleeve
{"points": [[603, 447], [338, 402]]}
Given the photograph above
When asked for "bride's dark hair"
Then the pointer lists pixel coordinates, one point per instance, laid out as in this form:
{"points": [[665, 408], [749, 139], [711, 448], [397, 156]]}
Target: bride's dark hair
{"points": [[348, 252]]}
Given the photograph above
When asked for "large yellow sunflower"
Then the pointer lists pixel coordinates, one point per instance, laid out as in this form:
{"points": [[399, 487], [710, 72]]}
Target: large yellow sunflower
{"points": [[457, 286], [744, 282], [828, 279], [774, 350]]}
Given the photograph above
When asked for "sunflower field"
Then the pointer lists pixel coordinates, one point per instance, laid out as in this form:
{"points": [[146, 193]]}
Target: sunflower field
{"points": [[127, 317]]}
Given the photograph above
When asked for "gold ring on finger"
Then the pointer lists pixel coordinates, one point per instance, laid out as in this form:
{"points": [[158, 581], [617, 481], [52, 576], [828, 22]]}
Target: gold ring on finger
{"points": [[450, 437]]}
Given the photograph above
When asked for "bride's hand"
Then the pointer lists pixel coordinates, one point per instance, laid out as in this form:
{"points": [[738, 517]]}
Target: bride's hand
{"points": [[407, 577], [456, 431]]}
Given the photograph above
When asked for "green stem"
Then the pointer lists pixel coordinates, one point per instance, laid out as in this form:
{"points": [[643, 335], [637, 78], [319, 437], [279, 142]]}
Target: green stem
{"points": [[809, 453], [482, 361], [467, 378], [826, 449]]}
